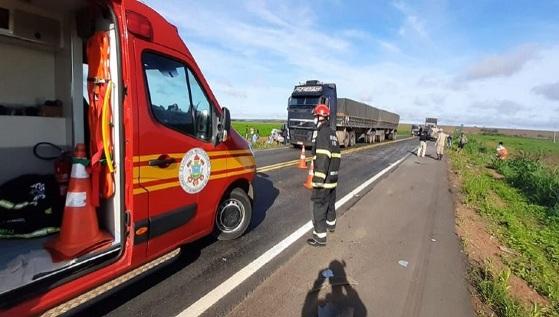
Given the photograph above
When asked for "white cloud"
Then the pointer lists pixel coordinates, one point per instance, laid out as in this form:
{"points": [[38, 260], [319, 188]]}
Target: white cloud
{"points": [[499, 107], [412, 25], [550, 91], [393, 48], [502, 65], [253, 58]]}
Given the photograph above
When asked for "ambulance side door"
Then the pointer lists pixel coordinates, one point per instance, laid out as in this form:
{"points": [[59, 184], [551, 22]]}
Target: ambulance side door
{"points": [[167, 139]]}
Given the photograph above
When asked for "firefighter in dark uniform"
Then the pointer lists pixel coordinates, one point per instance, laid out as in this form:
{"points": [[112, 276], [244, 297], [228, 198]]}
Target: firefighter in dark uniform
{"points": [[326, 160]]}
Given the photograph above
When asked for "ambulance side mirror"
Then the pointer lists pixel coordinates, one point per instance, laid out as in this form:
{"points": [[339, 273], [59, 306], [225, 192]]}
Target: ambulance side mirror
{"points": [[224, 125]]}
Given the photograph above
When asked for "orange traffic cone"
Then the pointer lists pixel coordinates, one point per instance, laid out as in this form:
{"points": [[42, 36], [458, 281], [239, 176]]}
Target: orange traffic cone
{"points": [[302, 159], [308, 183], [79, 233]]}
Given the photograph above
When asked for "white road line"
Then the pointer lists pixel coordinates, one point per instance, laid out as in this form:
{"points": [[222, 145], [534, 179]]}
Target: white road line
{"points": [[208, 300]]}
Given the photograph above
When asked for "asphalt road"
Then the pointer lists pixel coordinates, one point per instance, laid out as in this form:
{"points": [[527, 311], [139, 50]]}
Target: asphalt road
{"points": [[281, 206], [394, 253]]}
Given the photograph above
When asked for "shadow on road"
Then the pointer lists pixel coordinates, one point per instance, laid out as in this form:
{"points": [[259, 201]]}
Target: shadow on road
{"points": [[265, 195], [104, 305], [336, 297]]}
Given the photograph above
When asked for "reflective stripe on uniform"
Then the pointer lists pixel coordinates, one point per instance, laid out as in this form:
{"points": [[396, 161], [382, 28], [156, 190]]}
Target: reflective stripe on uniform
{"points": [[334, 173], [320, 175], [6, 204], [34, 234], [325, 185], [337, 155], [331, 223], [319, 235], [324, 152], [9, 205], [23, 205]]}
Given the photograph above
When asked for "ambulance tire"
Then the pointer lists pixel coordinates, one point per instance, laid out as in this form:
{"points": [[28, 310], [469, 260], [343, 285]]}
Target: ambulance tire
{"points": [[233, 215]]}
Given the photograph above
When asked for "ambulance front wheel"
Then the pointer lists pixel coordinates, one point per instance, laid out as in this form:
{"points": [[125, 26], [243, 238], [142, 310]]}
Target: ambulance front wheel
{"points": [[233, 215]]}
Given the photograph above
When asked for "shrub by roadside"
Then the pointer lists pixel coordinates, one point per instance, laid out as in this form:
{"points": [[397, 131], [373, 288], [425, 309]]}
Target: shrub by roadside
{"points": [[538, 182], [519, 207]]}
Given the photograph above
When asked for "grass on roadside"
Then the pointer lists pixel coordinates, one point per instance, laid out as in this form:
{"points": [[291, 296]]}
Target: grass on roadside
{"points": [[404, 130], [520, 210], [493, 288]]}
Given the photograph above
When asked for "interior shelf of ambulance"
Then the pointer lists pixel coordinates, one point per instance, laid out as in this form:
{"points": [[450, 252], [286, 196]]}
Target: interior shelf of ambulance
{"points": [[61, 200]]}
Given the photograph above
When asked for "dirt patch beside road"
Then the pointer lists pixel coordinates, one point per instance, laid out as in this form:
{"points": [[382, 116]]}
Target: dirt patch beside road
{"points": [[485, 250]]}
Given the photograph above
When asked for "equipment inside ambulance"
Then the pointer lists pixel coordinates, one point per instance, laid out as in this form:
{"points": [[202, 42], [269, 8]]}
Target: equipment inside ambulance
{"points": [[51, 198], [114, 151]]}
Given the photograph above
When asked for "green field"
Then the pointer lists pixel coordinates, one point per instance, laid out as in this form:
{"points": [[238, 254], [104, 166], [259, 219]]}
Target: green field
{"points": [[264, 127], [404, 129], [522, 211], [542, 149]]}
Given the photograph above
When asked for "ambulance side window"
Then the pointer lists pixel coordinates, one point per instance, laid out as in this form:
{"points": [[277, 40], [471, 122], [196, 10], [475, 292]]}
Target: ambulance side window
{"points": [[168, 92], [200, 108], [177, 100]]}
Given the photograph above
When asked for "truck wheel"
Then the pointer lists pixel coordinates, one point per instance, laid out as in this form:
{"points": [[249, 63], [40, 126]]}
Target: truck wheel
{"points": [[351, 138], [233, 215], [346, 140]]}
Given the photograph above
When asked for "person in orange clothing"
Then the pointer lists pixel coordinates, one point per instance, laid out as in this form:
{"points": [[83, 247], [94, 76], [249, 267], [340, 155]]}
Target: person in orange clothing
{"points": [[502, 152]]}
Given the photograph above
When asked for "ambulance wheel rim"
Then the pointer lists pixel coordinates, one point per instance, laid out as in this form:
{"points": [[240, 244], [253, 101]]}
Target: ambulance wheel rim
{"points": [[231, 215]]}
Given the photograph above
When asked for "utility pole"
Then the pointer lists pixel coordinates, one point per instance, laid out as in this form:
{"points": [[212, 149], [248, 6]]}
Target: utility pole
{"points": [[554, 136]]}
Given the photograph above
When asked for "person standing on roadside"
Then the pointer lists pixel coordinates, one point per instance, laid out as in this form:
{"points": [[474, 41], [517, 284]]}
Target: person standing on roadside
{"points": [[440, 143], [462, 141], [284, 133], [326, 162], [422, 143], [449, 141]]}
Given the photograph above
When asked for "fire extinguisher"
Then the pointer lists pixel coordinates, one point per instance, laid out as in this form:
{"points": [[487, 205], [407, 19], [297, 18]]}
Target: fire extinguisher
{"points": [[62, 165], [62, 170]]}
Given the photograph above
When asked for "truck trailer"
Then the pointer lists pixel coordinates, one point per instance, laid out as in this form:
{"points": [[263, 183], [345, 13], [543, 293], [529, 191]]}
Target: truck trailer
{"points": [[353, 121], [156, 163]]}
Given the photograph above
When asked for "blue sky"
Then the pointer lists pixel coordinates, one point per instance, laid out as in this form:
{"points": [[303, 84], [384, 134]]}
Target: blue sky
{"points": [[484, 63]]}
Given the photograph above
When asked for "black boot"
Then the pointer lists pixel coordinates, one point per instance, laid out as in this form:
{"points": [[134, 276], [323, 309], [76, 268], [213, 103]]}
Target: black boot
{"points": [[315, 243]]}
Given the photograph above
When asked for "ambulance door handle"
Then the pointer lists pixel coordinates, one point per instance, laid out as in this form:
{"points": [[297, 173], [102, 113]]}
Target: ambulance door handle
{"points": [[162, 161]]}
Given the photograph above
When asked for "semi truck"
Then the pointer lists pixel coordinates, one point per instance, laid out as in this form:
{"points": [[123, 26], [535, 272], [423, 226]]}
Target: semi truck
{"points": [[431, 122], [114, 80], [353, 121], [431, 127]]}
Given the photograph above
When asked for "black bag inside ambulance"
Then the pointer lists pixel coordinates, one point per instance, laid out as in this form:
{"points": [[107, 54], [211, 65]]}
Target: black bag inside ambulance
{"points": [[30, 207]]}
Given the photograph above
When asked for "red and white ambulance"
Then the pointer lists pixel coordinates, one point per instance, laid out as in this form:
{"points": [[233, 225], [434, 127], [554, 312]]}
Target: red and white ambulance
{"points": [[164, 165]]}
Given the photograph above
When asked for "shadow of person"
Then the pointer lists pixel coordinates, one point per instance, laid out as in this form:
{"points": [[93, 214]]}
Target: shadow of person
{"points": [[265, 195], [336, 298]]}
